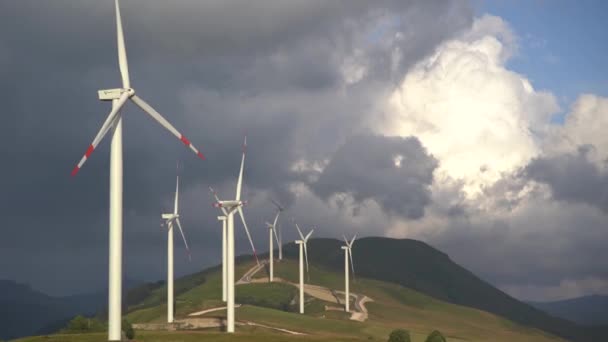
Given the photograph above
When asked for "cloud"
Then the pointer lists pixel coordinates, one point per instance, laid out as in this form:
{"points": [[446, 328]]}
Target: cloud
{"points": [[471, 112], [393, 171], [572, 177]]}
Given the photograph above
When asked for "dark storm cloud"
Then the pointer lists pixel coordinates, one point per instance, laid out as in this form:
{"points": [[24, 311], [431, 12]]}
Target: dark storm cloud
{"points": [[393, 171], [572, 177], [215, 69]]}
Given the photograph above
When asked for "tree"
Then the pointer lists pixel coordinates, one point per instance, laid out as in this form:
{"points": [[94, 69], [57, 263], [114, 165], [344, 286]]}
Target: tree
{"points": [[128, 329], [435, 336], [399, 335]]}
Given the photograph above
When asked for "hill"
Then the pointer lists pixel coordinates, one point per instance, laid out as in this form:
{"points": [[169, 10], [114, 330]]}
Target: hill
{"points": [[418, 266], [273, 306], [587, 310], [24, 311]]}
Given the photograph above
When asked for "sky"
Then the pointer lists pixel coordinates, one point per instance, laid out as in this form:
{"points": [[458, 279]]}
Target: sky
{"points": [[477, 127]]}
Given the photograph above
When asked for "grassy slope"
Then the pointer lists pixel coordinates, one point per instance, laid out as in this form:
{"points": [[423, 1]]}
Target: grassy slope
{"points": [[418, 266], [394, 307]]}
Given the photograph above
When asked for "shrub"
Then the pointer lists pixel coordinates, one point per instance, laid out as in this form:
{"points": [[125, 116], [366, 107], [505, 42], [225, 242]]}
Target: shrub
{"points": [[81, 324], [435, 336], [128, 329], [399, 335]]}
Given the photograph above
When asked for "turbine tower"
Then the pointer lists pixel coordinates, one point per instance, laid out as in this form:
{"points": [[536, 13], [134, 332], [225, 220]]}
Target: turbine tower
{"points": [[348, 255], [272, 228], [224, 273], [302, 243], [229, 208], [113, 122], [170, 220]]}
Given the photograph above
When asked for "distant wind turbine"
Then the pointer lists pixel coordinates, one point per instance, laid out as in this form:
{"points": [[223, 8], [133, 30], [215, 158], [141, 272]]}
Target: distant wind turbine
{"points": [[170, 219], [348, 256], [303, 242], [272, 228], [113, 122], [229, 208], [278, 236]]}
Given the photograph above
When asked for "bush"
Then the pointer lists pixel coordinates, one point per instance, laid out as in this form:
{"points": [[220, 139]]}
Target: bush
{"points": [[128, 329], [399, 335], [81, 324], [435, 336]]}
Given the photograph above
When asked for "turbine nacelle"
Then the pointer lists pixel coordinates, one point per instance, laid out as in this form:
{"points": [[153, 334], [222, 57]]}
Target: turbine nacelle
{"points": [[170, 217], [229, 205], [114, 94]]}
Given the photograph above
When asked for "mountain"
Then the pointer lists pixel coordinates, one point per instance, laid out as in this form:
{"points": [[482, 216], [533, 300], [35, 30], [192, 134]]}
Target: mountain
{"points": [[587, 310], [418, 266], [25, 311]]}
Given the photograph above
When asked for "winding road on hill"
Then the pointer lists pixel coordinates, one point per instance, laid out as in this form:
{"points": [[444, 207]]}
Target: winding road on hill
{"points": [[323, 293]]}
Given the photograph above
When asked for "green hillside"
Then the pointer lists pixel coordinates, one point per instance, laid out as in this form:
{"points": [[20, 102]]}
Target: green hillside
{"points": [[267, 307], [429, 271], [393, 307]]}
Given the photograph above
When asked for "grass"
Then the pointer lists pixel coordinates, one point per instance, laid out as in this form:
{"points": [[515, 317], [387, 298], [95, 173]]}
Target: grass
{"points": [[394, 307]]}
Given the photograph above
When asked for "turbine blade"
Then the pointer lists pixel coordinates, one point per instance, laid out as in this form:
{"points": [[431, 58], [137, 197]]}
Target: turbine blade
{"points": [[239, 183], [110, 121], [179, 225], [306, 256], [161, 120], [352, 265], [350, 245], [176, 196], [276, 237], [217, 199], [276, 218], [345, 240], [279, 207], [308, 236], [300, 232], [122, 51], [240, 210]]}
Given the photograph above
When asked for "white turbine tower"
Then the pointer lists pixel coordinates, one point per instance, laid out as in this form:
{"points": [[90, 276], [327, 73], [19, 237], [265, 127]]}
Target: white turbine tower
{"points": [[302, 243], [272, 227], [224, 273], [170, 220], [229, 208], [113, 122], [348, 256]]}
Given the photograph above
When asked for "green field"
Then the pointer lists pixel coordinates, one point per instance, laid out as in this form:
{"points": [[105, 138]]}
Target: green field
{"points": [[274, 305]]}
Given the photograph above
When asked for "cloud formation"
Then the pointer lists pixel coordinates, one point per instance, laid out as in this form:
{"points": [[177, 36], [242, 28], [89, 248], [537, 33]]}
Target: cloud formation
{"points": [[393, 171]]}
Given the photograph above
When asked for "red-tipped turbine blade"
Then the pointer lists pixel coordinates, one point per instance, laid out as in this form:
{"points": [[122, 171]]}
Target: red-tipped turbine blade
{"points": [[110, 121], [163, 122]]}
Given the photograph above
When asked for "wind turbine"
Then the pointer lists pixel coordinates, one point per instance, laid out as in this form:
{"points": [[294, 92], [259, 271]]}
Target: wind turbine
{"points": [[302, 243], [229, 208], [272, 228], [348, 254], [170, 220], [278, 236], [119, 97]]}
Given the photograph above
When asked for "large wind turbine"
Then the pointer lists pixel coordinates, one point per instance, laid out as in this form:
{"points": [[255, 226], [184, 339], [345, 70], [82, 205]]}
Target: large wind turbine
{"points": [[229, 208], [170, 220], [113, 122], [348, 256], [302, 243], [272, 228]]}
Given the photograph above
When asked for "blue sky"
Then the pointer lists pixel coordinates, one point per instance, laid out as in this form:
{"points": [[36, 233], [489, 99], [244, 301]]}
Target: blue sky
{"points": [[562, 44]]}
